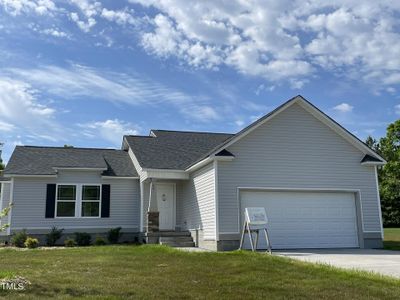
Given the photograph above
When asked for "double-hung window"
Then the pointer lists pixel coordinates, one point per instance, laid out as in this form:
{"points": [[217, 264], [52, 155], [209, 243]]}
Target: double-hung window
{"points": [[66, 201], [90, 201], [78, 201]]}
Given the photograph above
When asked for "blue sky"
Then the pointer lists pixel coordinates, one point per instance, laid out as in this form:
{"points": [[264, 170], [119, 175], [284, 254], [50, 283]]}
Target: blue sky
{"points": [[86, 72]]}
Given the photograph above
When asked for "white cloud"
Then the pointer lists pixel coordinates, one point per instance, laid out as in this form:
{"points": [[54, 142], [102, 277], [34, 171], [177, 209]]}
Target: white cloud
{"points": [[109, 130], [397, 109], [21, 111], [121, 17], [284, 40], [18, 101], [4, 126], [89, 10], [17, 7], [344, 108], [79, 81], [84, 26], [55, 32], [200, 112], [239, 123]]}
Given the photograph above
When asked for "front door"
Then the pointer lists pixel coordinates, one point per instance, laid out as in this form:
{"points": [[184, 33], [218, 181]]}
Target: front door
{"points": [[166, 205]]}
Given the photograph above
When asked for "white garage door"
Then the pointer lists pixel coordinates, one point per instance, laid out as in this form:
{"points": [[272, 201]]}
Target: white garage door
{"points": [[306, 219]]}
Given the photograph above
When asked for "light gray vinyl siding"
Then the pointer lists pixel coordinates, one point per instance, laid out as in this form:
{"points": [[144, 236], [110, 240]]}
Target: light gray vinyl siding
{"points": [[30, 203], [196, 208], [4, 201], [294, 150]]}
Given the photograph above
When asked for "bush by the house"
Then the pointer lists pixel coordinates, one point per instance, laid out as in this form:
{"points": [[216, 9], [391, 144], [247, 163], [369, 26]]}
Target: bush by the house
{"points": [[69, 242], [114, 234], [31, 243], [18, 240], [53, 236], [99, 241], [83, 238]]}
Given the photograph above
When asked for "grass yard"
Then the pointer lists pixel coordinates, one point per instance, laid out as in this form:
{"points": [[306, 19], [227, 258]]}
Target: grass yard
{"points": [[392, 238], [157, 272]]}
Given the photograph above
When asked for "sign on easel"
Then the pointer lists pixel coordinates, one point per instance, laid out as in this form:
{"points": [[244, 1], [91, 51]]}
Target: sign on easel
{"points": [[255, 221]]}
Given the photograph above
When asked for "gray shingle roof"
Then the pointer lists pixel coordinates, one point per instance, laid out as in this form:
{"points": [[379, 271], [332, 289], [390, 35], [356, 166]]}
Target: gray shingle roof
{"points": [[165, 149], [31, 160]]}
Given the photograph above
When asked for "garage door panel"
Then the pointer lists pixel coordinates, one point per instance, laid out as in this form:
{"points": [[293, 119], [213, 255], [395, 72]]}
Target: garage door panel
{"points": [[306, 219]]}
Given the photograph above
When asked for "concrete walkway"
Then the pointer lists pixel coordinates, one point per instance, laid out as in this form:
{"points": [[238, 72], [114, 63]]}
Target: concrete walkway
{"points": [[383, 262]]}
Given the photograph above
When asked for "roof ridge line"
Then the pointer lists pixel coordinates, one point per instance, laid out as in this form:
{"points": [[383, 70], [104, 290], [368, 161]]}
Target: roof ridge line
{"points": [[76, 148], [189, 131]]}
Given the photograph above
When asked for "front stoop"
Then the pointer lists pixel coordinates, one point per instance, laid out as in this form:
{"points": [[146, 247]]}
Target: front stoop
{"points": [[171, 238]]}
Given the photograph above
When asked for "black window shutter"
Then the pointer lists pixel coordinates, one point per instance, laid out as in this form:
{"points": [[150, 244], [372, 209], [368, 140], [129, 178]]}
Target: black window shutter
{"points": [[50, 200], [105, 200]]}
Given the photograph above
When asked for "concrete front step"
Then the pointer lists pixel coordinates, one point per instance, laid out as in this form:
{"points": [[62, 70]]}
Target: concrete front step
{"points": [[176, 238], [177, 244], [171, 238], [169, 233]]}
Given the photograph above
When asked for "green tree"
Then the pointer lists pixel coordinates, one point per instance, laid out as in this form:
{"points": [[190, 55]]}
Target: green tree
{"points": [[3, 214], [373, 144], [389, 175]]}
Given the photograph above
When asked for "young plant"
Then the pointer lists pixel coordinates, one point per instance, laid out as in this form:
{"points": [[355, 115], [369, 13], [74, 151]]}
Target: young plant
{"points": [[31, 243], [83, 238], [69, 242], [99, 241], [53, 236], [113, 235], [19, 239]]}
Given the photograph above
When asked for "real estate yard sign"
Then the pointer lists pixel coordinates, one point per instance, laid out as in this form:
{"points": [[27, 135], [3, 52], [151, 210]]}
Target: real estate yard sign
{"points": [[255, 220], [256, 216]]}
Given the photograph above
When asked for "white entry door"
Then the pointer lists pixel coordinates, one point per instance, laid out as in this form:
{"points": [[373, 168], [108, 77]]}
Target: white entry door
{"points": [[166, 205], [306, 219]]}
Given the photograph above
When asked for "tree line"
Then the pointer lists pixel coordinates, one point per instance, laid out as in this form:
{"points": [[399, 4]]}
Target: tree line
{"points": [[389, 175]]}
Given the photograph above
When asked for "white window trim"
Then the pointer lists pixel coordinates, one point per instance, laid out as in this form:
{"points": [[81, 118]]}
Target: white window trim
{"points": [[97, 201], [78, 201]]}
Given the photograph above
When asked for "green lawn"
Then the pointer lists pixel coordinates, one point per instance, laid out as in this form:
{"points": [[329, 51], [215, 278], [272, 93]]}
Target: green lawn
{"points": [[157, 272], [392, 238]]}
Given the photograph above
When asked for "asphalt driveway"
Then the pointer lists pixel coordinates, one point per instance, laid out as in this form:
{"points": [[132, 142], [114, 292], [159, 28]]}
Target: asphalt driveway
{"points": [[379, 261]]}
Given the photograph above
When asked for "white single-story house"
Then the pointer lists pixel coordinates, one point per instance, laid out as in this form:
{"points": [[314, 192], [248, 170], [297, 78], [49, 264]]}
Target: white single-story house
{"points": [[317, 181]]}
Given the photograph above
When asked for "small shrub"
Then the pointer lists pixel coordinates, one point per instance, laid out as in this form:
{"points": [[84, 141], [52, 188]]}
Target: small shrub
{"points": [[18, 240], [114, 234], [31, 243], [83, 238], [53, 236], [69, 242], [99, 241]]}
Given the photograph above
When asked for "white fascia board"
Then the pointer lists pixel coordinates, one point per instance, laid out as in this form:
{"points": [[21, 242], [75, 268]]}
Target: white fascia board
{"points": [[373, 163], [199, 164], [78, 169], [208, 160], [119, 177], [164, 174], [223, 158], [135, 162], [29, 176]]}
